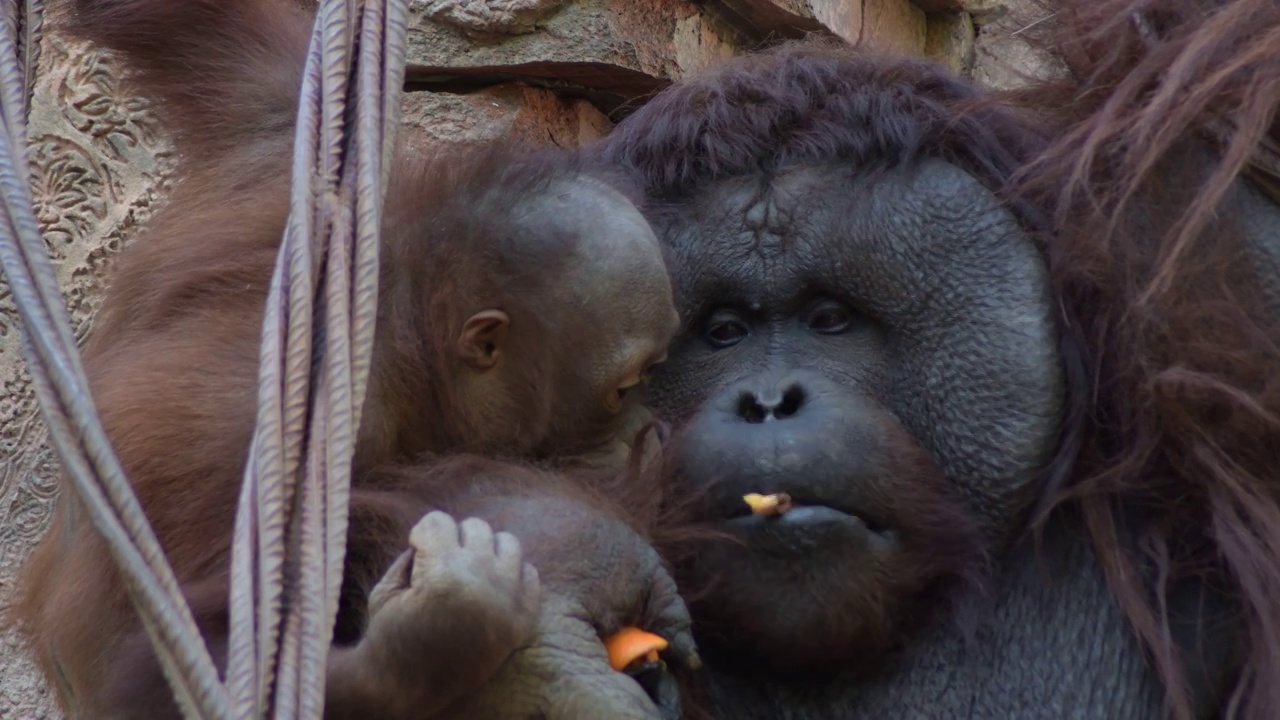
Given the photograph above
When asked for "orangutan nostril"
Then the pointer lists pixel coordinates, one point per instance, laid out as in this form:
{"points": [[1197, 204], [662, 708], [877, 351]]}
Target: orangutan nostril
{"points": [[757, 408]]}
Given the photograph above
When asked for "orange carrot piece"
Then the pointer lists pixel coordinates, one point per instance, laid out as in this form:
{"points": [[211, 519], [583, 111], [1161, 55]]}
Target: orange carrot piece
{"points": [[631, 644]]}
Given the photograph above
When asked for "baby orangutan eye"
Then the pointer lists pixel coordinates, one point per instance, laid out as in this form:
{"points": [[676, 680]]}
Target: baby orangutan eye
{"points": [[632, 382], [613, 402]]}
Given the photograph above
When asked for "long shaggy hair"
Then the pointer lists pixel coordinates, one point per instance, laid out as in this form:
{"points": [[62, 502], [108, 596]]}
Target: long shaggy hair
{"points": [[1162, 107]]}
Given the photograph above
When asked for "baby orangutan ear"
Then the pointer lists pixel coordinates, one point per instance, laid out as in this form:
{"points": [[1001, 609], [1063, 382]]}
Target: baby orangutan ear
{"points": [[483, 337]]}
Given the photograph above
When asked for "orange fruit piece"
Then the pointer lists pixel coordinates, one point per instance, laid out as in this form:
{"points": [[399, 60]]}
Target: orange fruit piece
{"points": [[768, 505], [631, 644]]}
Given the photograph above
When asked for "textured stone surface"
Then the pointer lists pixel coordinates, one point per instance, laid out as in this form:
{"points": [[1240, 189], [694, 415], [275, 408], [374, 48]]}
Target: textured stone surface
{"points": [[616, 37], [761, 19], [1004, 57], [99, 162], [489, 17], [895, 25], [611, 52], [99, 166], [608, 51], [846, 19], [949, 37], [531, 115]]}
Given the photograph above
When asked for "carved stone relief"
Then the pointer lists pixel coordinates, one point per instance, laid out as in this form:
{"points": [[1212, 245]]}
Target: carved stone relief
{"points": [[489, 17], [98, 167]]}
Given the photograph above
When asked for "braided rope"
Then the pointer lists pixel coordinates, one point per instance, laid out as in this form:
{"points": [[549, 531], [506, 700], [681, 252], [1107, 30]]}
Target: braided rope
{"points": [[290, 531], [291, 526]]}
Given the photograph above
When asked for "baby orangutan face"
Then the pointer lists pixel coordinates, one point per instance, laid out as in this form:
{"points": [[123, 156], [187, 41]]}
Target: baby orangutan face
{"points": [[569, 354]]}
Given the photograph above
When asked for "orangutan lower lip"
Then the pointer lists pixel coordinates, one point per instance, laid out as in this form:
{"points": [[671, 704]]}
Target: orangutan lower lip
{"points": [[797, 517], [799, 512], [792, 505]]}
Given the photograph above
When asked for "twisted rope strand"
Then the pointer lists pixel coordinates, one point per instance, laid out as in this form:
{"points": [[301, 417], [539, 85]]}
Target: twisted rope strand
{"points": [[317, 349]]}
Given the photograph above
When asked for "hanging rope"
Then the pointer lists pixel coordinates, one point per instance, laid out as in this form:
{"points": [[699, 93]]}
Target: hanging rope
{"points": [[290, 528]]}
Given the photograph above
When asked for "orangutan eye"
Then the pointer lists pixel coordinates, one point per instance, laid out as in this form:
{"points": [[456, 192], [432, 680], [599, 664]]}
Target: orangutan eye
{"points": [[725, 329], [624, 389], [635, 380], [830, 318], [621, 390]]}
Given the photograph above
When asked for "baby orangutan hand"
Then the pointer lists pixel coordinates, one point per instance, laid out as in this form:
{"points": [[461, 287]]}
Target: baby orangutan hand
{"points": [[598, 576], [443, 619]]}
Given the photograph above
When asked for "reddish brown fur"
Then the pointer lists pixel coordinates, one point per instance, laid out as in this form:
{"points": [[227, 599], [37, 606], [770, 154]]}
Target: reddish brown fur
{"points": [[1185, 420], [172, 359], [384, 507]]}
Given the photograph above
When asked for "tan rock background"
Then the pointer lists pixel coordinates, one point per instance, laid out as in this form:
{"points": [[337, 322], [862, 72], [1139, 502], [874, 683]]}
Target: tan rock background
{"points": [[552, 72]]}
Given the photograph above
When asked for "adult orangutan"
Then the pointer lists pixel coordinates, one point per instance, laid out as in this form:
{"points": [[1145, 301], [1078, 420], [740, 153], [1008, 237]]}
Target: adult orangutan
{"points": [[1031, 352]]}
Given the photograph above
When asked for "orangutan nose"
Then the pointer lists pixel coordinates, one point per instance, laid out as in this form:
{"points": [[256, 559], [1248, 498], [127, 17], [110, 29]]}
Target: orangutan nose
{"points": [[778, 402]]}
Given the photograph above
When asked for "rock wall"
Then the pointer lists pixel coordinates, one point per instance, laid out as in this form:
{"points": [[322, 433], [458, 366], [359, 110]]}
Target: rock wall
{"points": [[552, 72]]}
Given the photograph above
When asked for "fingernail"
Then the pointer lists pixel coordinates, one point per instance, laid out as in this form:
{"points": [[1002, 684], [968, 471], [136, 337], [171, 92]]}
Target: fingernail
{"points": [[694, 662]]}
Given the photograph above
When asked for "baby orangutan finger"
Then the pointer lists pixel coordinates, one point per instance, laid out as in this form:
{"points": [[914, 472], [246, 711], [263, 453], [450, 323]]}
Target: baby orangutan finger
{"points": [[436, 535], [477, 535], [510, 563], [393, 582], [509, 553]]}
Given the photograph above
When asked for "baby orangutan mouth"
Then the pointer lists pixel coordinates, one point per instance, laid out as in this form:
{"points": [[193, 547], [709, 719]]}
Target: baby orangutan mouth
{"points": [[768, 505]]}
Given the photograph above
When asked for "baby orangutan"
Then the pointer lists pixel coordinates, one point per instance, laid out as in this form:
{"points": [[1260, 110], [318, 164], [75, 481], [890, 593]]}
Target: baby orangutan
{"points": [[521, 302], [547, 302]]}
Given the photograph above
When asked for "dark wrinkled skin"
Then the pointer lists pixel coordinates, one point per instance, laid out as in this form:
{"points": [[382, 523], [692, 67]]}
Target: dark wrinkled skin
{"points": [[953, 335], [597, 578], [1261, 217]]}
